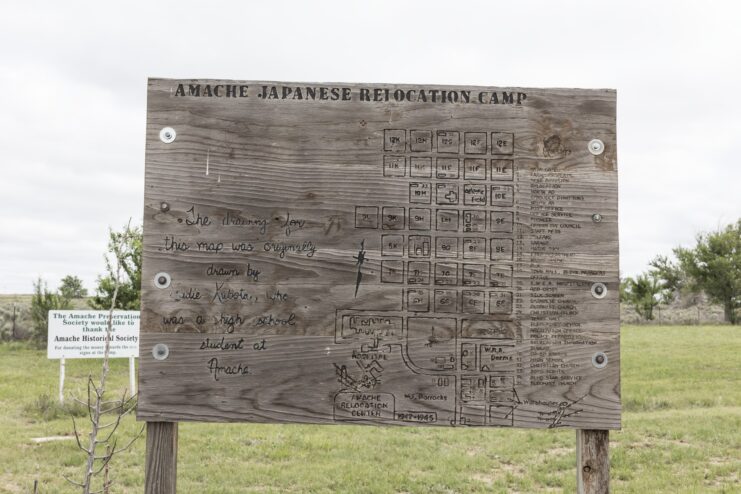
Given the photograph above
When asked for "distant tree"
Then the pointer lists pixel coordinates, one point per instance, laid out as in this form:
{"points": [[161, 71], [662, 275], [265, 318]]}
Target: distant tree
{"points": [[714, 267], [129, 288], [71, 287], [10, 316], [42, 302], [670, 273], [643, 293], [623, 290]]}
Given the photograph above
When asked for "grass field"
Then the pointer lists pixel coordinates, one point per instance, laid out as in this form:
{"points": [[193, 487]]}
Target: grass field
{"points": [[681, 433]]}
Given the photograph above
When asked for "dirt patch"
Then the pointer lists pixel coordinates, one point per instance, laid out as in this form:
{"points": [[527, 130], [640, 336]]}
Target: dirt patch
{"points": [[474, 451], [8, 484], [485, 478]]}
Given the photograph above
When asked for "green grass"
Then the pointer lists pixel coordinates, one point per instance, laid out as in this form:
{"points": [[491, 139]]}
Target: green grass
{"points": [[681, 434]]}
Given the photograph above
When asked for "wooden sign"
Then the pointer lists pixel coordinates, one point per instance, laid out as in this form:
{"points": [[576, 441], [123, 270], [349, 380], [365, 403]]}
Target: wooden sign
{"points": [[380, 254]]}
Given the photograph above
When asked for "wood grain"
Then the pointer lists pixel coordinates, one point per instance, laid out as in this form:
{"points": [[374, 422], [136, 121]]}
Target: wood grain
{"points": [[478, 252], [161, 458], [592, 461]]}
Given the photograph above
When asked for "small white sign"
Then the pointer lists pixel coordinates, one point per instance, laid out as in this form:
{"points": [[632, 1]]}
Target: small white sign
{"points": [[82, 334]]}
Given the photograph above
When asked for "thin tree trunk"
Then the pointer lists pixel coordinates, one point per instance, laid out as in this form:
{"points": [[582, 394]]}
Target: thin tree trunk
{"points": [[729, 314], [100, 391]]}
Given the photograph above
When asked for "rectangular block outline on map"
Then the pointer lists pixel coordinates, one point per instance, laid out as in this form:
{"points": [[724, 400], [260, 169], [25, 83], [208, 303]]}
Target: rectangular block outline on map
{"points": [[451, 188], [440, 133], [466, 150], [449, 290], [508, 343], [409, 306], [455, 172], [387, 172], [474, 377], [412, 143], [429, 219], [498, 177], [389, 147], [402, 215], [449, 279], [501, 312], [433, 414], [366, 419], [466, 291], [409, 272], [461, 415], [389, 262], [511, 222], [341, 314], [440, 253], [466, 266], [505, 422], [504, 267], [383, 245], [507, 203], [473, 212], [468, 326], [475, 177], [466, 253], [423, 256], [429, 194], [510, 149], [412, 168], [464, 347], [448, 319], [372, 210], [445, 210], [468, 198], [505, 257]]}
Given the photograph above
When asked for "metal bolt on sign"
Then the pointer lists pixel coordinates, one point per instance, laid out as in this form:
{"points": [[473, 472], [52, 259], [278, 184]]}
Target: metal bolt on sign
{"points": [[599, 290], [596, 217], [162, 280], [164, 207], [160, 351], [596, 147], [599, 360], [167, 135]]}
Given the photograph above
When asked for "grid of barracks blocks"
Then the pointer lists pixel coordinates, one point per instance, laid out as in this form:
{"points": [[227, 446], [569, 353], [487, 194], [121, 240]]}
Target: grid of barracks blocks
{"points": [[453, 245]]}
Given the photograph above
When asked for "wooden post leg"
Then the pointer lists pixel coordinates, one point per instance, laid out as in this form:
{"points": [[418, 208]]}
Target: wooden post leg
{"points": [[161, 458], [592, 461]]}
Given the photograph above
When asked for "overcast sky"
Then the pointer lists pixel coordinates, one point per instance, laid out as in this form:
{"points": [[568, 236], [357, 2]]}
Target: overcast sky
{"points": [[73, 93]]}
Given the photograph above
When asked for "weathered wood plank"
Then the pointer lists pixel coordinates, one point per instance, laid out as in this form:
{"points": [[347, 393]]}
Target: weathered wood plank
{"points": [[475, 227], [592, 461], [308, 385], [161, 458]]}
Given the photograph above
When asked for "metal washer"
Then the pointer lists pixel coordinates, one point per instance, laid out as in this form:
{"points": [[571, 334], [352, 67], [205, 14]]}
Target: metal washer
{"points": [[596, 360], [160, 351], [599, 290], [167, 135], [162, 280], [596, 147]]}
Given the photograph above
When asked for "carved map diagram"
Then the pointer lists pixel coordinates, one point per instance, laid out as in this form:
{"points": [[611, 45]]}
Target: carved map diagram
{"points": [[380, 254]]}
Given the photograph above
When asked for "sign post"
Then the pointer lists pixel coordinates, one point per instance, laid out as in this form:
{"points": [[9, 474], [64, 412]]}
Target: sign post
{"points": [[379, 254], [81, 334], [132, 375], [592, 461], [61, 381]]}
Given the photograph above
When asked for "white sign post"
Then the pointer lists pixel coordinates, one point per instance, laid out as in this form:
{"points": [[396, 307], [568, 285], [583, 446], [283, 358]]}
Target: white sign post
{"points": [[82, 334]]}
